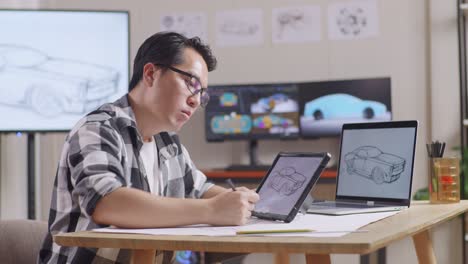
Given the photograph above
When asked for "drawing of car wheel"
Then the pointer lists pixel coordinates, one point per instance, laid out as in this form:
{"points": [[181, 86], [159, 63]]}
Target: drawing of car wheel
{"points": [[378, 175], [349, 170], [368, 113], [45, 101], [288, 189]]}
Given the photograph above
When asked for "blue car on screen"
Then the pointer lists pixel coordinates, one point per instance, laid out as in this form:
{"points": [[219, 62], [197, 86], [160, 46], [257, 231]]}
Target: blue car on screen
{"points": [[340, 105]]}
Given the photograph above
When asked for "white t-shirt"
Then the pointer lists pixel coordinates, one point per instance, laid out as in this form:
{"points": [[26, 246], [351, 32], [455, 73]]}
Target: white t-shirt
{"points": [[149, 155]]}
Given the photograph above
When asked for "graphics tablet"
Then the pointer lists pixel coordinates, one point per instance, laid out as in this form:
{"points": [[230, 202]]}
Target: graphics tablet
{"points": [[287, 184]]}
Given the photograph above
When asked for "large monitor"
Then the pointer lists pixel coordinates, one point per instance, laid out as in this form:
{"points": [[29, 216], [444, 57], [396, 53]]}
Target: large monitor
{"points": [[55, 66], [294, 110], [326, 106], [252, 112]]}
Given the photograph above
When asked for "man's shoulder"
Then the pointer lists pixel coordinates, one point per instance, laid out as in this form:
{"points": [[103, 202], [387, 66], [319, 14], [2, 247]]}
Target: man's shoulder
{"points": [[118, 109], [114, 115]]}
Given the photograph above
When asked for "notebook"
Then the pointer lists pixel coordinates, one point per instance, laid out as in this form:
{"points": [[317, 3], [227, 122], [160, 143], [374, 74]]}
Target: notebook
{"points": [[375, 169]]}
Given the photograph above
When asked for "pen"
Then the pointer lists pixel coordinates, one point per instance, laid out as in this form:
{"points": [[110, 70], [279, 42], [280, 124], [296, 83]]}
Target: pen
{"points": [[277, 231], [229, 182], [254, 232]]}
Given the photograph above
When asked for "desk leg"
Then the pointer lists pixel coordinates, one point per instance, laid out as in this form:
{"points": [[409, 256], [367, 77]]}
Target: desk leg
{"points": [[424, 250], [282, 258], [318, 259], [143, 256]]}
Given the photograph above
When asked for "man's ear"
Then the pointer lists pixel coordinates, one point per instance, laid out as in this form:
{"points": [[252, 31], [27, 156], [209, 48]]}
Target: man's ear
{"points": [[150, 72]]}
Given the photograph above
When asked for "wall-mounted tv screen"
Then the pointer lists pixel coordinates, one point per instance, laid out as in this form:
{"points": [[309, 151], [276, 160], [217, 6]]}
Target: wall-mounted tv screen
{"points": [[56, 66], [326, 106], [261, 111]]}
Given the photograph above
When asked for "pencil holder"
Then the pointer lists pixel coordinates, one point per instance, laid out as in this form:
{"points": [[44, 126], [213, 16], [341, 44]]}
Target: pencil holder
{"points": [[444, 180]]}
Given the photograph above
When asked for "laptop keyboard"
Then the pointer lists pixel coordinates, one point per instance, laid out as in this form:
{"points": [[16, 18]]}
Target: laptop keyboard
{"points": [[345, 205]]}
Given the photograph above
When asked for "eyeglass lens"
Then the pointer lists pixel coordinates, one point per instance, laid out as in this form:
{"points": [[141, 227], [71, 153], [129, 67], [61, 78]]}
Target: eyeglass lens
{"points": [[197, 88]]}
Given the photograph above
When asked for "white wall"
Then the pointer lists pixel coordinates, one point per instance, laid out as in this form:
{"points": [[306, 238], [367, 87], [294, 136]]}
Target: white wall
{"points": [[416, 48]]}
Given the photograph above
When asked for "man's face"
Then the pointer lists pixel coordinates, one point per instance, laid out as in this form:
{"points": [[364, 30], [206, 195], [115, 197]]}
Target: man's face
{"points": [[172, 101]]}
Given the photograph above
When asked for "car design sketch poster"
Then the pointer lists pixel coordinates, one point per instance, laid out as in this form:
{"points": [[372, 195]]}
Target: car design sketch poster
{"points": [[353, 20], [187, 24], [296, 24], [243, 27], [56, 66]]}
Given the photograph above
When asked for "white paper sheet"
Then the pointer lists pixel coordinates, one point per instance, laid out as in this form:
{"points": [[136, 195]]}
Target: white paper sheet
{"points": [[296, 24], [239, 27], [188, 24], [353, 20], [324, 226]]}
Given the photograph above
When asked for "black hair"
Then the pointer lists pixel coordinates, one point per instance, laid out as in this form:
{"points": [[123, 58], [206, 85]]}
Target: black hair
{"points": [[167, 48]]}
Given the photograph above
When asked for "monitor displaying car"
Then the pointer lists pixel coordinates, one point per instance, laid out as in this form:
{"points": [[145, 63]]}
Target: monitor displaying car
{"points": [[252, 112], [56, 66], [326, 106]]}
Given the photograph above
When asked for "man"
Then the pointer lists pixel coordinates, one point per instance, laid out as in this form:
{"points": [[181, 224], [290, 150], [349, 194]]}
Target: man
{"points": [[123, 165]]}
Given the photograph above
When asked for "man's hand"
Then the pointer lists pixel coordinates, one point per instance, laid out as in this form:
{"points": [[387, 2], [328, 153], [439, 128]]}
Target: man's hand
{"points": [[233, 208]]}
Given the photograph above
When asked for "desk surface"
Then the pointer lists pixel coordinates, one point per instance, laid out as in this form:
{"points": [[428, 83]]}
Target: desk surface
{"points": [[419, 217]]}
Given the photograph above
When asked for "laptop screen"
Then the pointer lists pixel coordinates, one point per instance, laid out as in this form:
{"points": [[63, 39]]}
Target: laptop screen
{"points": [[376, 161]]}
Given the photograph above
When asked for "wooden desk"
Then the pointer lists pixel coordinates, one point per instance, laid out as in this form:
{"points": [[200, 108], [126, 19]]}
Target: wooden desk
{"points": [[414, 222]]}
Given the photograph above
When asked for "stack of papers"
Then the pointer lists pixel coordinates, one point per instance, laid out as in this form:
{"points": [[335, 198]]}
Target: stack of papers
{"points": [[322, 226]]}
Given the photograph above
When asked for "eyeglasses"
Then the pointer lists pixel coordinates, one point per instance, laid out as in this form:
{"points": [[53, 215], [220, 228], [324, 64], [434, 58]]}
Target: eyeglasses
{"points": [[193, 84]]}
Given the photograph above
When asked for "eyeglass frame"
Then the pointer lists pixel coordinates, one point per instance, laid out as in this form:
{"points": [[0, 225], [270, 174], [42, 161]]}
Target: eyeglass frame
{"points": [[201, 91]]}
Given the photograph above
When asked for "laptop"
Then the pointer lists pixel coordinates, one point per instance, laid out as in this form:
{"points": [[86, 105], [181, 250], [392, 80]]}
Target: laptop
{"points": [[375, 169]]}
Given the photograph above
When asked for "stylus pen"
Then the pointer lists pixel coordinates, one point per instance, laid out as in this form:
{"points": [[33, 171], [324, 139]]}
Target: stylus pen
{"points": [[231, 184], [280, 231], [277, 231]]}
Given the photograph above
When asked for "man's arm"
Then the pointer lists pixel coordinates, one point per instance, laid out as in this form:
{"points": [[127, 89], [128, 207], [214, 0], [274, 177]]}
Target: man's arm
{"points": [[216, 189], [132, 208], [213, 191], [100, 184]]}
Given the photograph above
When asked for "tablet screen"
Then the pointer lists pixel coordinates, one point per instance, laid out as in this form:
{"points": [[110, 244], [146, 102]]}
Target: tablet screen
{"points": [[287, 181]]}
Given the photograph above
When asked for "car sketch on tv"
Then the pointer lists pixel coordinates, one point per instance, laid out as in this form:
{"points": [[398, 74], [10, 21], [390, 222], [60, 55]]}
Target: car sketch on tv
{"points": [[51, 86], [372, 163], [287, 181], [326, 114]]}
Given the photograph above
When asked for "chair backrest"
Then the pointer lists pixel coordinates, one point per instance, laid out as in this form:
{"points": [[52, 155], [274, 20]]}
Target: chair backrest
{"points": [[20, 240]]}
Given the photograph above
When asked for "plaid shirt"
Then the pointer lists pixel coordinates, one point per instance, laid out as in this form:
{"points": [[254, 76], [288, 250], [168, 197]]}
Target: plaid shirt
{"points": [[101, 154]]}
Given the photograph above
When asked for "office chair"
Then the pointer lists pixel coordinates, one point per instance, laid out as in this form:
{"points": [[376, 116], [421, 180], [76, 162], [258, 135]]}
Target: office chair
{"points": [[20, 240]]}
